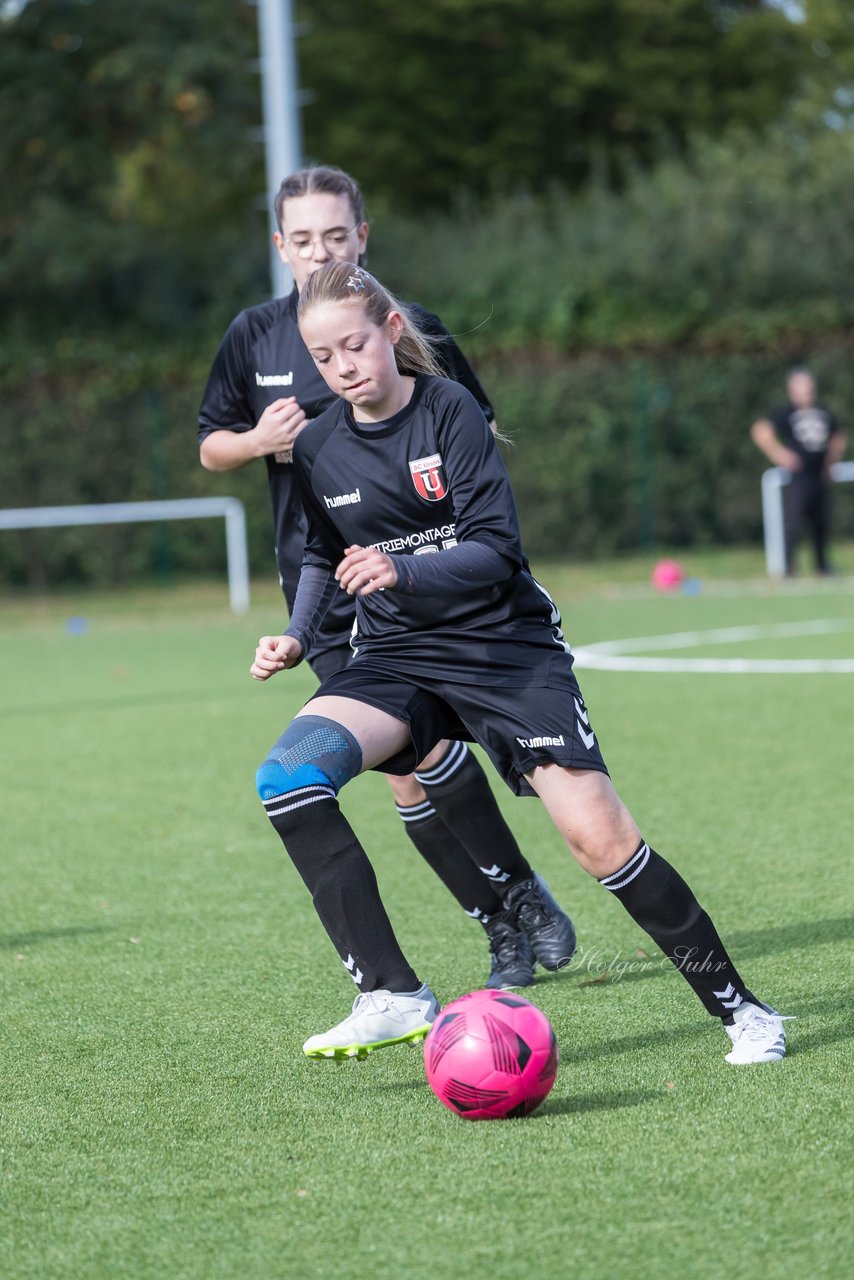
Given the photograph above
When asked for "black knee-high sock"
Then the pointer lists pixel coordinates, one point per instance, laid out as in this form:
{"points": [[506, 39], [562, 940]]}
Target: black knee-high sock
{"points": [[325, 851], [461, 795], [659, 900], [442, 851]]}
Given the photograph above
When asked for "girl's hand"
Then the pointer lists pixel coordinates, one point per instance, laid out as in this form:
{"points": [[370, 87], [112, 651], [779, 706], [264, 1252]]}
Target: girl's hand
{"points": [[278, 427], [364, 569], [274, 653]]}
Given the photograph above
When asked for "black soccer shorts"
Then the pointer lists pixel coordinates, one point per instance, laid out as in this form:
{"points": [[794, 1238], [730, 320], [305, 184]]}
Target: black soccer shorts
{"points": [[518, 728], [326, 661]]}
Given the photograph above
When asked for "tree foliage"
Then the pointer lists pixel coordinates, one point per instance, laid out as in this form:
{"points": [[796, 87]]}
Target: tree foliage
{"points": [[129, 134], [633, 213], [497, 96], [747, 245], [128, 167]]}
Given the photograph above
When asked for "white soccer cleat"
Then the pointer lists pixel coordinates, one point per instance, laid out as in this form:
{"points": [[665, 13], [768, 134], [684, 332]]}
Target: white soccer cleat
{"points": [[379, 1018], [757, 1035]]}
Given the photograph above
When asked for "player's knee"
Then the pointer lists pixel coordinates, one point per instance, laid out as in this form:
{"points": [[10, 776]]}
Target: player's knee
{"points": [[313, 751], [406, 790], [602, 847]]}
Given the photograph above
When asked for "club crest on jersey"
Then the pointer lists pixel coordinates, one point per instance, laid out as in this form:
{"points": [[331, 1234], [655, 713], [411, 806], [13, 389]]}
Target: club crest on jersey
{"points": [[428, 476]]}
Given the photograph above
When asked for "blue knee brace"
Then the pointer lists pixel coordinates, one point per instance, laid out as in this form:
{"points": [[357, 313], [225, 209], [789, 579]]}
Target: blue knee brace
{"points": [[311, 751]]}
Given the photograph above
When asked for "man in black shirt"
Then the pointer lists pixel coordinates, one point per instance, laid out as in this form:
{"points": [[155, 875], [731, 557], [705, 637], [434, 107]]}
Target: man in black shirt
{"points": [[263, 391], [805, 438]]}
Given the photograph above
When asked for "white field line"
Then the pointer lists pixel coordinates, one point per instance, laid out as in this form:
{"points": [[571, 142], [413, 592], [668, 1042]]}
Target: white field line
{"points": [[733, 588], [618, 655]]}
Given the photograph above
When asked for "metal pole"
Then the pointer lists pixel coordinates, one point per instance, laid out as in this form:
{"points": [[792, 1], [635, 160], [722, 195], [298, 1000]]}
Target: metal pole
{"points": [[773, 524], [281, 115], [238, 555], [136, 512], [772, 520]]}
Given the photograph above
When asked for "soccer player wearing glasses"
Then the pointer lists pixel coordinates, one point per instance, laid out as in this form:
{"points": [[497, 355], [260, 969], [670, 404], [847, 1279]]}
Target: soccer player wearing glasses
{"points": [[263, 391]]}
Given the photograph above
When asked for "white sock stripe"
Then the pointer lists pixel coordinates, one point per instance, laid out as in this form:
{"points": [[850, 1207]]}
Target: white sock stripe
{"points": [[626, 874], [415, 812], [299, 804], [627, 866], [446, 768], [448, 764]]}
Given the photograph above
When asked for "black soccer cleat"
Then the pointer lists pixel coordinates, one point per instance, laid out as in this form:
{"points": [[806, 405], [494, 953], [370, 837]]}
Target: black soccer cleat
{"points": [[510, 956], [549, 929]]}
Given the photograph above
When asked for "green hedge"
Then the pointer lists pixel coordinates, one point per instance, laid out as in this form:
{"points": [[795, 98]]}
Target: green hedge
{"points": [[609, 453], [119, 430], [627, 341]]}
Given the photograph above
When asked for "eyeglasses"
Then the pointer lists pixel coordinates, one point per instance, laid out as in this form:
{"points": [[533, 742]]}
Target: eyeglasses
{"points": [[333, 241]]}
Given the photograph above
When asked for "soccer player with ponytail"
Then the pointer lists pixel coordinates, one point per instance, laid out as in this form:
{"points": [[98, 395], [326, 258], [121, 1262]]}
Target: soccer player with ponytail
{"points": [[461, 643]]}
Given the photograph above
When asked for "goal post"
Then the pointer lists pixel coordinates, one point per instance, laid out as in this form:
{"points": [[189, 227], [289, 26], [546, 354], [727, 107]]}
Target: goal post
{"points": [[774, 481], [229, 509]]}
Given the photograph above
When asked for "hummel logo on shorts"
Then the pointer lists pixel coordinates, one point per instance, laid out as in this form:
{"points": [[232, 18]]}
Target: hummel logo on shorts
{"points": [[541, 742]]}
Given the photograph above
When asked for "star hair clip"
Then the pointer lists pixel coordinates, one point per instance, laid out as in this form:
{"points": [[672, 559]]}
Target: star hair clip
{"points": [[356, 281]]}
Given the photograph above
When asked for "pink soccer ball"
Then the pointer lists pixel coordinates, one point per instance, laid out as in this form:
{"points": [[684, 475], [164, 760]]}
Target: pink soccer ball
{"points": [[668, 575], [491, 1055]]}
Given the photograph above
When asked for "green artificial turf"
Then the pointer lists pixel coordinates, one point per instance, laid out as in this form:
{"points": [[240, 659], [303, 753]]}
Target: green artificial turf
{"points": [[161, 965]]}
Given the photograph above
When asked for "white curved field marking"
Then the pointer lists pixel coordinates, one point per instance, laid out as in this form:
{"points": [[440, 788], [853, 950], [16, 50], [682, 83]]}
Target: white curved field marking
{"points": [[618, 655]]}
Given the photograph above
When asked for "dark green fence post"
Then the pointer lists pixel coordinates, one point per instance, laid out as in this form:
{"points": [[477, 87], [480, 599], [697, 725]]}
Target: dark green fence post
{"points": [[644, 460]]}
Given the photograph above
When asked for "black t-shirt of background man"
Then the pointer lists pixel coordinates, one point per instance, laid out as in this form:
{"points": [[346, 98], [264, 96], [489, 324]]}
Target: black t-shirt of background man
{"points": [[807, 432]]}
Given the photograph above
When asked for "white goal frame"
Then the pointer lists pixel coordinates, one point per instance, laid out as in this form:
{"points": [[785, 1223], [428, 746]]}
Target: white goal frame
{"points": [[773, 482], [231, 509]]}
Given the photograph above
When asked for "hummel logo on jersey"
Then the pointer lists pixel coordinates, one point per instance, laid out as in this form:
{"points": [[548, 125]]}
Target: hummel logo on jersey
{"points": [[428, 477], [343, 499], [274, 379], [541, 742]]}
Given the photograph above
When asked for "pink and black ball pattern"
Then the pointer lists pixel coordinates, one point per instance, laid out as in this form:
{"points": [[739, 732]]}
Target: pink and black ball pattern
{"points": [[491, 1055]]}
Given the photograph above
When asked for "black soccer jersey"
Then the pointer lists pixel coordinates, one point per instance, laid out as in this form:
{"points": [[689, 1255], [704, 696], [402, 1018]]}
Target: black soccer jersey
{"points": [[262, 358], [806, 431], [422, 482]]}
